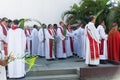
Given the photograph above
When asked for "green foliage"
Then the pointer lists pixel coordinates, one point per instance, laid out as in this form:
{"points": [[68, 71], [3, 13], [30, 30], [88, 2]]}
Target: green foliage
{"points": [[102, 9], [30, 61], [22, 22]]}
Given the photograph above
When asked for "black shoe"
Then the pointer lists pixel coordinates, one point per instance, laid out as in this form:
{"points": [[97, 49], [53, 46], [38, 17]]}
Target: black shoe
{"points": [[103, 62], [91, 65]]}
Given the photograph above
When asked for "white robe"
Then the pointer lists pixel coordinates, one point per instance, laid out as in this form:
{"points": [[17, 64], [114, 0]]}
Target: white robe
{"points": [[68, 45], [35, 42], [29, 39], [78, 41], [2, 68], [60, 38], [47, 51], [103, 35], [41, 47], [2, 37], [81, 42], [75, 41], [90, 27], [16, 44]]}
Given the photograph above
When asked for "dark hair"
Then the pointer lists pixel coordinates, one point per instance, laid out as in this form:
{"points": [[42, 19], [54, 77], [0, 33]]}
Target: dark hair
{"points": [[60, 22], [55, 26], [9, 21], [91, 18], [49, 25], [35, 26], [43, 25], [3, 19], [16, 22], [101, 21]]}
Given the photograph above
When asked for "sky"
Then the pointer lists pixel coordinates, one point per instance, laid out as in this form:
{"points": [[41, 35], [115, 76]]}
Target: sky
{"points": [[46, 11]]}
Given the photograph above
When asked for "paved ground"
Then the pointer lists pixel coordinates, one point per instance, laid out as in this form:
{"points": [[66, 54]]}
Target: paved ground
{"points": [[69, 63]]}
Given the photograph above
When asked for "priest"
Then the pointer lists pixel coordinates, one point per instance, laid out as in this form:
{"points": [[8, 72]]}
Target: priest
{"points": [[92, 43], [114, 44], [69, 42], [103, 44], [41, 44], [3, 33], [49, 52], [16, 46], [61, 48], [35, 40]]}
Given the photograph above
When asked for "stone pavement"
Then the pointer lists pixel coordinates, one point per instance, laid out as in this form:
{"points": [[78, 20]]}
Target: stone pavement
{"points": [[66, 69], [69, 63]]}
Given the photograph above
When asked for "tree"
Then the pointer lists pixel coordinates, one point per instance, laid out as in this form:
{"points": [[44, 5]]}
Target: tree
{"points": [[102, 9]]}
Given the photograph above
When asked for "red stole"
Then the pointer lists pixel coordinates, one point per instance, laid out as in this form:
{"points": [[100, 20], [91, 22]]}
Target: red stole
{"points": [[102, 47], [63, 41], [94, 51], [4, 30], [4, 43], [50, 44], [27, 41], [71, 41], [26, 32]]}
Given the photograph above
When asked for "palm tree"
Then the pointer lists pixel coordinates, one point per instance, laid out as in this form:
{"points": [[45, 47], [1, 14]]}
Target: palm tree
{"points": [[102, 9]]}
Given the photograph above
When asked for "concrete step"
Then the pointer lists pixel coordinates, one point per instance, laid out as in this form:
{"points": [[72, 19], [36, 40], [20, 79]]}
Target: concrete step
{"points": [[54, 77], [62, 74], [52, 72]]}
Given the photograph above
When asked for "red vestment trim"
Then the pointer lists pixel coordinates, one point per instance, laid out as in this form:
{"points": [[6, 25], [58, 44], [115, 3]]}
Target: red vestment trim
{"points": [[94, 51], [4, 43], [50, 47], [71, 41], [50, 44], [4, 30], [63, 41], [102, 47]]}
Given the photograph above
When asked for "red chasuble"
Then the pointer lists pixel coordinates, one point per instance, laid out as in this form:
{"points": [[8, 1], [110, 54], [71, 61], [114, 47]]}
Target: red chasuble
{"points": [[4, 43], [114, 45]]}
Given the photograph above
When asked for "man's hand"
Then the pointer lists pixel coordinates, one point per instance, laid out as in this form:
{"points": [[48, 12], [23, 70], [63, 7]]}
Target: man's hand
{"points": [[3, 62]]}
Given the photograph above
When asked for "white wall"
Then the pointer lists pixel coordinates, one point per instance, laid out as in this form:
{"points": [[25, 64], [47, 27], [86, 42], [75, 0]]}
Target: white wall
{"points": [[47, 11]]}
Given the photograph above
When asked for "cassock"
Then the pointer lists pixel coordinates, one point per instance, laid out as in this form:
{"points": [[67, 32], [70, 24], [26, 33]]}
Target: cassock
{"points": [[103, 44], [3, 34], [61, 48], [28, 41], [41, 47], [2, 69], [114, 45], [49, 52], [75, 41], [92, 44], [16, 44], [69, 43], [81, 42], [35, 42]]}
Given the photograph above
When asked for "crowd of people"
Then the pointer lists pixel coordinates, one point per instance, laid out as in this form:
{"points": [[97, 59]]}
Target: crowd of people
{"points": [[56, 42]]}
